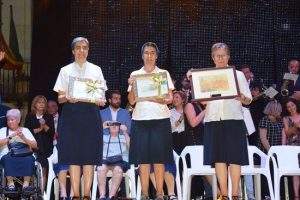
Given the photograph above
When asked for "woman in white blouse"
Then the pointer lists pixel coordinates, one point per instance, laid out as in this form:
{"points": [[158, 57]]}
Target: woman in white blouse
{"points": [[79, 126], [151, 140], [225, 144]]}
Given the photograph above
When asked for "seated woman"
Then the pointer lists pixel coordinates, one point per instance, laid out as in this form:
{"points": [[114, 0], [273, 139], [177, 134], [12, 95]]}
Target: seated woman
{"points": [[115, 158], [16, 166]]}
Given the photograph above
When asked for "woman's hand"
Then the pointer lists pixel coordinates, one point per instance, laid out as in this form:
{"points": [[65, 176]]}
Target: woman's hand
{"points": [[131, 80], [20, 134], [243, 99], [101, 102], [1, 55]]}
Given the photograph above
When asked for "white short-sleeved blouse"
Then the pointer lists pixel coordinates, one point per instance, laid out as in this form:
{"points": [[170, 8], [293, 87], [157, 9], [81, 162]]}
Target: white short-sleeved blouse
{"points": [[88, 70], [26, 132], [227, 109]]}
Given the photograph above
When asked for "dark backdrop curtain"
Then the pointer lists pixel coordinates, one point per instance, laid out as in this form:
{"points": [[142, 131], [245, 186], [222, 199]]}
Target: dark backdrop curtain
{"points": [[262, 34], [50, 44]]}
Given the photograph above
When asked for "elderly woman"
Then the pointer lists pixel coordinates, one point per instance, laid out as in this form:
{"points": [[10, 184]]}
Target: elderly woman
{"points": [[16, 166], [270, 132], [115, 144], [225, 144]]}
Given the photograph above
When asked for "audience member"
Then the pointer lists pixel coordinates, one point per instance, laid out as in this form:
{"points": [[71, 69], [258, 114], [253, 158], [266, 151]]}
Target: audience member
{"points": [[291, 133], [60, 169], [114, 112], [115, 158], [42, 126], [16, 166]]}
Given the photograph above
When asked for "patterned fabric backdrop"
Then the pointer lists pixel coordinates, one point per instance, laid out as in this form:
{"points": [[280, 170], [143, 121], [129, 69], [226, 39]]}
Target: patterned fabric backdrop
{"points": [[263, 34]]}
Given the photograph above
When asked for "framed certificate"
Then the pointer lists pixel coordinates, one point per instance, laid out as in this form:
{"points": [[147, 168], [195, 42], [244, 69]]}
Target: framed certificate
{"points": [[84, 89], [150, 86], [214, 83]]}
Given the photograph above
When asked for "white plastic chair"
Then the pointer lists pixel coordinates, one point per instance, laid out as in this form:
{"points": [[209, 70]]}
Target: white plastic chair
{"points": [[177, 180], [53, 159], [286, 164], [197, 168], [251, 169], [129, 182]]}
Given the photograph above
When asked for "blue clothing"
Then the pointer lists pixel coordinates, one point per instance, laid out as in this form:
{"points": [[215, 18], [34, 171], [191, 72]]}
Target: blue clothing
{"points": [[297, 84], [3, 111], [123, 117]]}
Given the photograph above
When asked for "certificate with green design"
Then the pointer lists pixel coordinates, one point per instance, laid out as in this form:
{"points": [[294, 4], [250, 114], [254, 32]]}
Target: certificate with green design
{"points": [[153, 85], [85, 90]]}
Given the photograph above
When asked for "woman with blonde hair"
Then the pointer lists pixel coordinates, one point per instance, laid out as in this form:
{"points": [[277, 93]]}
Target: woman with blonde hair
{"points": [[41, 125]]}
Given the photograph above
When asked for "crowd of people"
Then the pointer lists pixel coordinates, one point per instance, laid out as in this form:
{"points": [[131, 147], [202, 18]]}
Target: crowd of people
{"points": [[113, 138]]}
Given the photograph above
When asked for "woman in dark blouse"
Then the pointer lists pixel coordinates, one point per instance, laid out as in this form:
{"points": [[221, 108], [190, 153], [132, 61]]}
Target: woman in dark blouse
{"points": [[41, 125]]}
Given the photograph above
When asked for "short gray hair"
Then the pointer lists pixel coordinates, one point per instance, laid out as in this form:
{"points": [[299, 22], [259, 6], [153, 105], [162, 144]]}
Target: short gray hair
{"points": [[14, 113], [149, 44], [79, 39], [273, 108], [220, 45]]}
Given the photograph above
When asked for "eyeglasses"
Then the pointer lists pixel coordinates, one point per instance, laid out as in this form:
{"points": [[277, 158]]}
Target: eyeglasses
{"points": [[221, 56]]}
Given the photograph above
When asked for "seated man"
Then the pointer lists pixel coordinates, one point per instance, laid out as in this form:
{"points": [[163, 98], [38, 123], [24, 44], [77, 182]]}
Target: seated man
{"points": [[21, 165], [115, 158]]}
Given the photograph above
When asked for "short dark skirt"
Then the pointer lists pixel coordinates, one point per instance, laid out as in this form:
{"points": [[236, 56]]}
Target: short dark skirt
{"points": [[150, 142], [225, 142], [59, 167], [79, 134], [18, 166], [124, 165]]}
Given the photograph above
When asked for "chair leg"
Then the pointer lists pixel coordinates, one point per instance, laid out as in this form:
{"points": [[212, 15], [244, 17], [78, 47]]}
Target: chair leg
{"points": [[215, 187], [277, 188], [257, 187], [139, 189], [56, 189], [94, 187], [188, 192]]}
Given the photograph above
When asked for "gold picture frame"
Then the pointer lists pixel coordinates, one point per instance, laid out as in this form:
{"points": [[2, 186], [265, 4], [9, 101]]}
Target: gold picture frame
{"points": [[147, 86], [214, 83]]}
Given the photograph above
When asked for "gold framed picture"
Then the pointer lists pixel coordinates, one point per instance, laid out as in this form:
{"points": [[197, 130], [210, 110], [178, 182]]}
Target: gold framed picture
{"points": [[85, 90], [148, 86], [214, 83]]}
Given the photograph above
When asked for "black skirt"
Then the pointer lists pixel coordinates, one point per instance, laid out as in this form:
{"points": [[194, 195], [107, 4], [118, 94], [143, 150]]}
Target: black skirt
{"points": [[151, 142], [225, 142], [80, 134]]}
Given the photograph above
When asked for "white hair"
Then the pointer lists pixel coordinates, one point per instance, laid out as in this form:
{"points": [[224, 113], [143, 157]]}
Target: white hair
{"points": [[14, 113]]}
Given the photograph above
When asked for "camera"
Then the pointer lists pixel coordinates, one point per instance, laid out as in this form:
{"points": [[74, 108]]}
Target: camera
{"points": [[113, 124]]}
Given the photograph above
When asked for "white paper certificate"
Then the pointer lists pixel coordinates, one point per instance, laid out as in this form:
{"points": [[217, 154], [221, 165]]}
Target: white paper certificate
{"points": [[84, 89]]}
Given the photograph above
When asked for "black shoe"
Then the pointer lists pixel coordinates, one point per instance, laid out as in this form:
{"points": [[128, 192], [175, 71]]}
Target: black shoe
{"points": [[28, 189], [10, 188]]}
